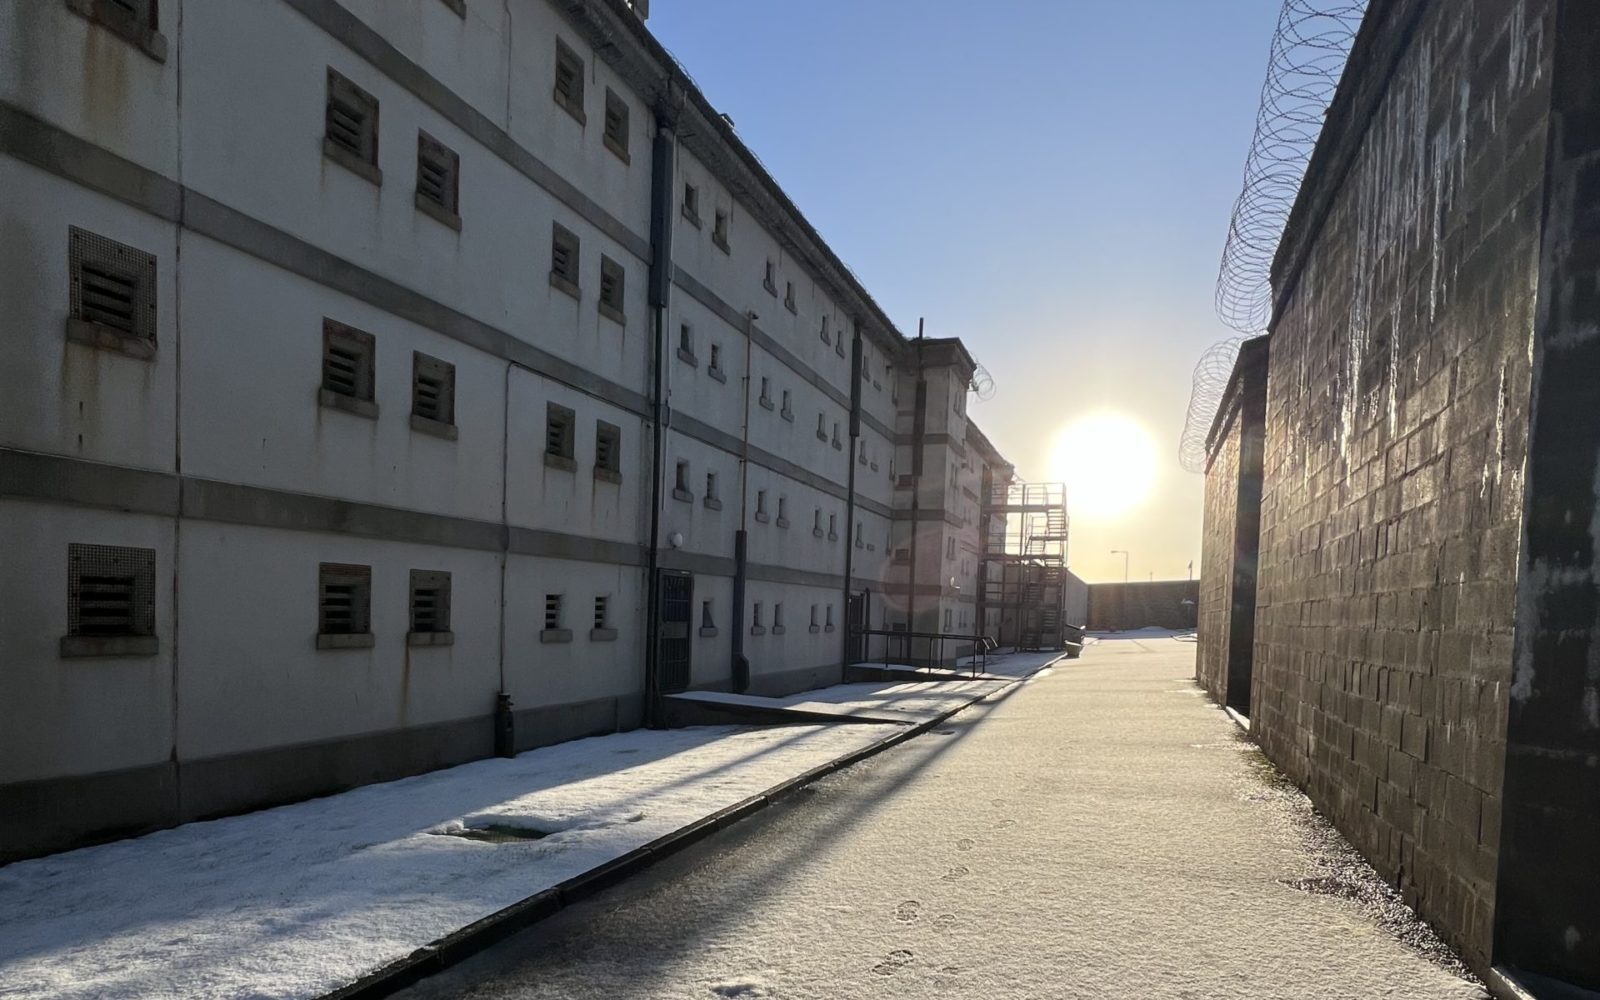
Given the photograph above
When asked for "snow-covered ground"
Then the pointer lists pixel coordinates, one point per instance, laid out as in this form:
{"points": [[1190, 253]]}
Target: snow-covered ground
{"points": [[299, 900]]}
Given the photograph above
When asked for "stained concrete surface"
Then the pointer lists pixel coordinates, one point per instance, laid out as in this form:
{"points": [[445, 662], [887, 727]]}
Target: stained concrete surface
{"points": [[1102, 831]]}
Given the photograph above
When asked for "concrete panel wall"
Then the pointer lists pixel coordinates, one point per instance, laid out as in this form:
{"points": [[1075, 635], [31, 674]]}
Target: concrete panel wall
{"points": [[1157, 604]]}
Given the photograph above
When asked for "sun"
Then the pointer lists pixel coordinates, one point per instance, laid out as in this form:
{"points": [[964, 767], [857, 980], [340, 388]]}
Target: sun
{"points": [[1108, 462]]}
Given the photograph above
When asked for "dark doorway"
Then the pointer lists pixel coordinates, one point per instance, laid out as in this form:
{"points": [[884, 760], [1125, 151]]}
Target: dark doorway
{"points": [[856, 622], [677, 602]]}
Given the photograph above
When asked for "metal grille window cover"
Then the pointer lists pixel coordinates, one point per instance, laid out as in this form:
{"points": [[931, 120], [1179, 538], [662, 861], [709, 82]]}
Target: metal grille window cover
{"points": [[612, 279], [347, 360], [110, 590], [569, 79], [564, 250], [602, 608], [430, 601], [352, 118], [607, 446], [558, 431], [433, 388], [438, 173], [616, 124], [552, 611], [113, 285], [344, 600]]}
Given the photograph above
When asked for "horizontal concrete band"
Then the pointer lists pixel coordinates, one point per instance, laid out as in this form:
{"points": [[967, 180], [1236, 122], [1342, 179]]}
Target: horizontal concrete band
{"points": [[38, 817], [72, 159], [59, 479]]}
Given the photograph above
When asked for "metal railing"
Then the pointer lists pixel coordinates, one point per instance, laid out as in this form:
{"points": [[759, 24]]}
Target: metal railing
{"points": [[904, 644]]}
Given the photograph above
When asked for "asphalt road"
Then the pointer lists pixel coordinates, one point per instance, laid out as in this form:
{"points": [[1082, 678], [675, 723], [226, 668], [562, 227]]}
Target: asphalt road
{"points": [[1101, 831]]}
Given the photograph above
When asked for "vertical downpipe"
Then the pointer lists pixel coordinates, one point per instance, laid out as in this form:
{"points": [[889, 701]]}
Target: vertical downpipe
{"points": [[919, 426], [850, 496], [661, 183], [739, 669]]}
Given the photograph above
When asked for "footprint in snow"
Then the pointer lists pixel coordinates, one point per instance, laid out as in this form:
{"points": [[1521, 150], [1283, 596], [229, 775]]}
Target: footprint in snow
{"points": [[893, 962], [957, 873], [965, 844], [945, 921], [908, 911]]}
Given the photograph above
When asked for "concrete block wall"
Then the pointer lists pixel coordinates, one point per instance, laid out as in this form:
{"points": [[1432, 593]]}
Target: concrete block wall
{"points": [[1396, 446], [1141, 604], [1219, 531]]}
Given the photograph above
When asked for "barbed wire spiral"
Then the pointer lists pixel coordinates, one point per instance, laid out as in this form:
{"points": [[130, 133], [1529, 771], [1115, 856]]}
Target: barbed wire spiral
{"points": [[1309, 50]]}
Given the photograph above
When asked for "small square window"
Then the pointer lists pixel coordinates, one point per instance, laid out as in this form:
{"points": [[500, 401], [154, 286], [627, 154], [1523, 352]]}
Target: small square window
{"points": [[560, 425], [433, 395], [430, 607], [706, 620], [784, 410], [788, 296], [616, 127], [350, 128], [783, 512], [761, 503], [827, 338], [607, 451], [719, 231], [711, 486], [613, 290], [135, 21], [715, 367], [344, 606], [602, 612], [111, 602], [777, 618], [552, 611], [438, 181], [770, 280], [569, 81], [564, 249], [765, 399], [691, 204], [833, 527], [112, 292], [755, 616], [348, 357], [686, 342]]}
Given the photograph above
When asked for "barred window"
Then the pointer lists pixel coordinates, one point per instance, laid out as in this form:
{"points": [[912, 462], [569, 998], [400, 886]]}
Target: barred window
{"points": [[438, 180], [564, 249], [433, 391], [616, 125], [613, 280], [430, 601], [110, 591], [569, 81], [113, 294], [350, 129], [344, 605]]}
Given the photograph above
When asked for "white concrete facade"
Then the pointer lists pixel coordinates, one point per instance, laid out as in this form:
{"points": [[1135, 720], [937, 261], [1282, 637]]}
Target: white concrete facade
{"points": [[216, 447]]}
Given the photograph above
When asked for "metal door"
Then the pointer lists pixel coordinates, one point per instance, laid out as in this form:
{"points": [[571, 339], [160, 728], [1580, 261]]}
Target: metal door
{"points": [[856, 622], [677, 600]]}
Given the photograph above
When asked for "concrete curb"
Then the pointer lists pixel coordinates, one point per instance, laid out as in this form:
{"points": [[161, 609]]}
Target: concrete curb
{"points": [[480, 934]]}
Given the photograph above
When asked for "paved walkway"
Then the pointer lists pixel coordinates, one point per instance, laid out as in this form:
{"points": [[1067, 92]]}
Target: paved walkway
{"points": [[1099, 832]]}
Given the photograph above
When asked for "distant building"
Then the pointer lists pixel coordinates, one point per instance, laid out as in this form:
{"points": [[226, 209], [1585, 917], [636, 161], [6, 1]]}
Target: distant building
{"points": [[1426, 623], [401, 370]]}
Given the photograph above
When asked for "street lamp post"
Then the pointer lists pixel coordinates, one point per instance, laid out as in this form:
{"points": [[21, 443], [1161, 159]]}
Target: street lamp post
{"points": [[1124, 554]]}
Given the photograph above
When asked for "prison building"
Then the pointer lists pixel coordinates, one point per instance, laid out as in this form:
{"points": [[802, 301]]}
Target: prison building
{"points": [[402, 383], [1425, 625]]}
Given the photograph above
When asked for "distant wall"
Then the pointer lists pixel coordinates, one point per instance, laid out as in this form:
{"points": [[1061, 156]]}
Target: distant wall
{"points": [[1157, 604], [1075, 598]]}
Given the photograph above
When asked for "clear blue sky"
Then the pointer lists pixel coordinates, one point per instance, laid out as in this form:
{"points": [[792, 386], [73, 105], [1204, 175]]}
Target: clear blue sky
{"points": [[1049, 180]]}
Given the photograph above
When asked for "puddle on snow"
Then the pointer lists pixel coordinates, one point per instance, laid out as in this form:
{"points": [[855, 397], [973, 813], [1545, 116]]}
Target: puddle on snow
{"points": [[495, 833]]}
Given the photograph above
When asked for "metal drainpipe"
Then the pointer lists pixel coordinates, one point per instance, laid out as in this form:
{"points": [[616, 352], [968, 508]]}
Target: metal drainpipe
{"points": [[661, 191], [919, 403], [850, 496], [739, 668]]}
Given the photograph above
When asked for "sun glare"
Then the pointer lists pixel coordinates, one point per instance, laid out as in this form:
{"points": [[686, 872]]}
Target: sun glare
{"points": [[1108, 462]]}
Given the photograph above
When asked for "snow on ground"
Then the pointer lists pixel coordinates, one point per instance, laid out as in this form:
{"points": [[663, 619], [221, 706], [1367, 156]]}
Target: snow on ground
{"points": [[298, 900]]}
